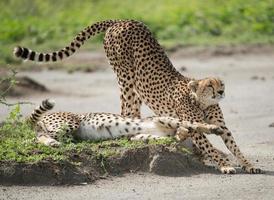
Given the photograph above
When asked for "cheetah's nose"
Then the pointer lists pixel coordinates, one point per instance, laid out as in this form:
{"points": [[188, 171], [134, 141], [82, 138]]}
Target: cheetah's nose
{"points": [[221, 92]]}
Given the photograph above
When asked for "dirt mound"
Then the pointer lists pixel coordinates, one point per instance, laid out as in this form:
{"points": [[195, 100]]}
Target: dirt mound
{"points": [[85, 167]]}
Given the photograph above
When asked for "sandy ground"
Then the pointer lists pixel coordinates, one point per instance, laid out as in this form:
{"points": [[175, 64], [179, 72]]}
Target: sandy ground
{"points": [[248, 109]]}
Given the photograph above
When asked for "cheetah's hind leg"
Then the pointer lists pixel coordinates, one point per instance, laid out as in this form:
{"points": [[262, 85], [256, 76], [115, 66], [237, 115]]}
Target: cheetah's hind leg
{"points": [[47, 140], [203, 128], [136, 109], [183, 131], [182, 128], [146, 137]]}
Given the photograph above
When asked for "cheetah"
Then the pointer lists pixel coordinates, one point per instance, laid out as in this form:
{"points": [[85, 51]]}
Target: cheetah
{"points": [[102, 126], [146, 75]]}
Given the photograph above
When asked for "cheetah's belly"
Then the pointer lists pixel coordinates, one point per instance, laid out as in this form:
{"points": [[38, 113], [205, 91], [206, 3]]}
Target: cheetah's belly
{"points": [[156, 98], [109, 127], [90, 132]]}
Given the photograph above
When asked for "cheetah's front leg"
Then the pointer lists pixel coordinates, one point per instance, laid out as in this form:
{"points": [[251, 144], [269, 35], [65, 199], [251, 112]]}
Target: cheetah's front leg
{"points": [[199, 139], [214, 116], [206, 147]]}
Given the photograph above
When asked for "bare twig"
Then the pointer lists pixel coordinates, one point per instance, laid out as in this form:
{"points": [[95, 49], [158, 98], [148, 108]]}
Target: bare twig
{"points": [[13, 104], [12, 82]]}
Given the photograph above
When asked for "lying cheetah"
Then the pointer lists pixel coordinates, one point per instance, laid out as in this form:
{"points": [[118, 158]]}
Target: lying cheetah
{"points": [[145, 74], [101, 126]]}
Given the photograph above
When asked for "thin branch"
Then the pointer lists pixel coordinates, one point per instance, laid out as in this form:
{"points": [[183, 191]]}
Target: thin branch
{"points": [[13, 104]]}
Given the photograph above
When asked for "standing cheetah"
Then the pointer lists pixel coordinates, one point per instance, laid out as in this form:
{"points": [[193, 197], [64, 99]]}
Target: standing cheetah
{"points": [[146, 75], [100, 126]]}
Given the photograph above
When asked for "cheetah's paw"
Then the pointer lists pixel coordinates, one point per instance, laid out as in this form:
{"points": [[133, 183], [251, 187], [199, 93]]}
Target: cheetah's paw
{"points": [[228, 170], [181, 134], [252, 170], [53, 143], [215, 129]]}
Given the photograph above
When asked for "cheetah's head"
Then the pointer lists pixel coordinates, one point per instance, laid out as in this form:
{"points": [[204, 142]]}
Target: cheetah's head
{"points": [[207, 91]]}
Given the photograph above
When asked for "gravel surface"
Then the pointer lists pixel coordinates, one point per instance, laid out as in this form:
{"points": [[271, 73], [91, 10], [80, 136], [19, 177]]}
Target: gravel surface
{"points": [[248, 109]]}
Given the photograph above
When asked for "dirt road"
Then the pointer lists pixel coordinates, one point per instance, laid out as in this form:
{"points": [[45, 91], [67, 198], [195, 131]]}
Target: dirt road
{"points": [[248, 109]]}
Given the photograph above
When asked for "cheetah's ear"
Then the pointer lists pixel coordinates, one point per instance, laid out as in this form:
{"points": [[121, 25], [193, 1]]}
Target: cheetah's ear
{"points": [[193, 85]]}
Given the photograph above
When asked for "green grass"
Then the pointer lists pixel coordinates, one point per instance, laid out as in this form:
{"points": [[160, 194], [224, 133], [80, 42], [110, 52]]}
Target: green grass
{"points": [[18, 143], [49, 25]]}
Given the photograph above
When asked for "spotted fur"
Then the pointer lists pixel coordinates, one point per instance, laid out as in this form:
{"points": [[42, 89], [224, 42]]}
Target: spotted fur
{"points": [[100, 126], [146, 75]]}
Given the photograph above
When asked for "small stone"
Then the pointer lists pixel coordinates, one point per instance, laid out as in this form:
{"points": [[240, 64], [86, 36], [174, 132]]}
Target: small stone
{"points": [[254, 78], [233, 111], [262, 78], [183, 69], [271, 125]]}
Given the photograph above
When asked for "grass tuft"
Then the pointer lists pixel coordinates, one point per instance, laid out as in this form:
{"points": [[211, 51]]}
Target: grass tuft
{"points": [[18, 143]]}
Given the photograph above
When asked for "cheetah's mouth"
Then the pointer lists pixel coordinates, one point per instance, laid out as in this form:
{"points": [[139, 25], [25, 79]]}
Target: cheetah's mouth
{"points": [[219, 97]]}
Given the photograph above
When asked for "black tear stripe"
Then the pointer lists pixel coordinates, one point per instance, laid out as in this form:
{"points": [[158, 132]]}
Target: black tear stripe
{"points": [[32, 55], [41, 57], [25, 53], [109, 132]]}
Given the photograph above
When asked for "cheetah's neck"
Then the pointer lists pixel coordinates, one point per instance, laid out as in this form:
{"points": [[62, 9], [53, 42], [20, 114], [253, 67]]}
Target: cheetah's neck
{"points": [[194, 100]]}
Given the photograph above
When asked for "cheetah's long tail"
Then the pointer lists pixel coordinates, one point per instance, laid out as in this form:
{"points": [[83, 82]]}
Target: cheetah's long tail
{"points": [[78, 41], [45, 106]]}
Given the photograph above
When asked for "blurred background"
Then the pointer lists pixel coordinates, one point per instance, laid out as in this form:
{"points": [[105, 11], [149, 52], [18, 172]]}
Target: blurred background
{"points": [[50, 24]]}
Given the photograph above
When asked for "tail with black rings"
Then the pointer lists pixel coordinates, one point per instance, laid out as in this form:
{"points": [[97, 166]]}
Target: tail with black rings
{"points": [[78, 41], [45, 106]]}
